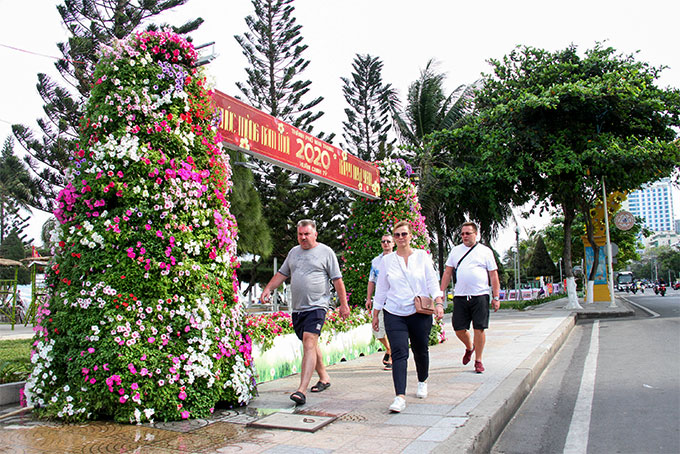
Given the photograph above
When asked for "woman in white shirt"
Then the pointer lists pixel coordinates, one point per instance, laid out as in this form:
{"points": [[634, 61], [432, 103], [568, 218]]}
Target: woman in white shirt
{"points": [[402, 276]]}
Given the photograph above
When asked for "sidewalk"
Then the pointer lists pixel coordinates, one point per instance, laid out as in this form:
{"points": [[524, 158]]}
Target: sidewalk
{"points": [[464, 412]]}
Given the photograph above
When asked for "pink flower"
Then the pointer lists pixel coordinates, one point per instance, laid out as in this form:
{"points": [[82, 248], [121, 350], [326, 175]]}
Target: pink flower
{"points": [[182, 395], [185, 414], [123, 399]]}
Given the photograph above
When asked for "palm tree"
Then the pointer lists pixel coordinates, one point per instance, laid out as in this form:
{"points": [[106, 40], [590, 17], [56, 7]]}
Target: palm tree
{"points": [[429, 109], [17, 188]]}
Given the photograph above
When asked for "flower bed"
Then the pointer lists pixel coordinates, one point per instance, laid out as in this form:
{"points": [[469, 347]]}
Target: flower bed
{"points": [[277, 352]]}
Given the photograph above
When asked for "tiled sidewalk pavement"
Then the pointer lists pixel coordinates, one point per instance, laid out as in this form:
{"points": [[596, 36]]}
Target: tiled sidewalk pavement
{"points": [[459, 404]]}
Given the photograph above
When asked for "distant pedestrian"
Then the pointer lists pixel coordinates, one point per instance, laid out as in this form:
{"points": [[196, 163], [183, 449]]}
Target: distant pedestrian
{"points": [[402, 276], [310, 266], [476, 273], [387, 244]]}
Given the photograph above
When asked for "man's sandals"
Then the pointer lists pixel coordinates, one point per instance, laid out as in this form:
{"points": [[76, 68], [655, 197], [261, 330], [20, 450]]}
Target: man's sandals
{"points": [[320, 386], [386, 361], [298, 398]]}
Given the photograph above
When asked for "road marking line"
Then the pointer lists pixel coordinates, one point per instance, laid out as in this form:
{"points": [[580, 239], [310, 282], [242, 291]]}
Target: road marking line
{"points": [[577, 438], [644, 308]]}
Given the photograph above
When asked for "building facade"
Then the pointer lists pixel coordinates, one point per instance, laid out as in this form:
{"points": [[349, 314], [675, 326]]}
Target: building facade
{"points": [[654, 203]]}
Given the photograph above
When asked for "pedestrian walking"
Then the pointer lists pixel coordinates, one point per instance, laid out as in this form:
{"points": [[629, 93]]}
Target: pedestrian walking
{"points": [[387, 244], [476, 271], [310, 266], [402, 276]]}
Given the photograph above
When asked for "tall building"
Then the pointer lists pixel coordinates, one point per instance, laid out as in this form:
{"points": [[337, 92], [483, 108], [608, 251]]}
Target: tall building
{"points": [[654, 203]]}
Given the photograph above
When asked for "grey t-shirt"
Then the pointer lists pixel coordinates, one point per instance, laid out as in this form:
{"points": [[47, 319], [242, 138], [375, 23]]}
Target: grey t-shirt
{"points": [[310, 271]]}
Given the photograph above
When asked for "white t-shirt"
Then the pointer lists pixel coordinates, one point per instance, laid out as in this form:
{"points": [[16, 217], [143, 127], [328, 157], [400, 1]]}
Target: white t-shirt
{"points": [[393, 293], [473, 273]]}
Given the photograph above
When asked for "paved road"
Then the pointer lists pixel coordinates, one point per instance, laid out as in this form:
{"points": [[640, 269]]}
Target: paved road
{"points": [[614, 387]]}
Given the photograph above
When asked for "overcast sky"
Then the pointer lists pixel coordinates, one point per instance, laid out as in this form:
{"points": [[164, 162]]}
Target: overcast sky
{"points": [[461, 36]]}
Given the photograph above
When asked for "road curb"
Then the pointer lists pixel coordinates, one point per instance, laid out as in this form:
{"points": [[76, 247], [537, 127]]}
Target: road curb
{"points": [[486, 421]]}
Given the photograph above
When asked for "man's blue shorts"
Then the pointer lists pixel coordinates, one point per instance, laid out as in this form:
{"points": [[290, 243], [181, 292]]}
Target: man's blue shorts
{"points": [[310, 321]]}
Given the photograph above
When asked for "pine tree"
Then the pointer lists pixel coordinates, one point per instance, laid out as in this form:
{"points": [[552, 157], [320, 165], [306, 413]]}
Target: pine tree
{"points": [[18, 191], [368, 117], [254, 235], [541, 264], [371, 219], [13, 248], [91, 24], [274, 50]]}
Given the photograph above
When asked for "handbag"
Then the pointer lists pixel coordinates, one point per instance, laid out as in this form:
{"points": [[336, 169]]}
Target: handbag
{"points": [[424, 304]]}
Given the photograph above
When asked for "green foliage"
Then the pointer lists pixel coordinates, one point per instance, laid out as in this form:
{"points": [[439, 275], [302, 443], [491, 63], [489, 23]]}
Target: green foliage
{"points": [[553, 125], [626, 240], [12, 248], [18, 191], [142, 321], [371, 219], [91, 25], [15, 360], [368, 115], [541, 264], [254, 236]]}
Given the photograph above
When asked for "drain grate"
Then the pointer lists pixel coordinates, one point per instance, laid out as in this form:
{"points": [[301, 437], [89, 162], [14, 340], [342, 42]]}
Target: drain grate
{"points": [[291, 421], [353, 417]]}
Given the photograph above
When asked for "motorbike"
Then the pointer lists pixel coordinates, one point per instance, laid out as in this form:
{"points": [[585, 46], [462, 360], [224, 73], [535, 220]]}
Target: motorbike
{"points": [[662, 289]]}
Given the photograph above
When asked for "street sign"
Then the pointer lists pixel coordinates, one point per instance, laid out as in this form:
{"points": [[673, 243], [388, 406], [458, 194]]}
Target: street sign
{"points": [[624, 220]]}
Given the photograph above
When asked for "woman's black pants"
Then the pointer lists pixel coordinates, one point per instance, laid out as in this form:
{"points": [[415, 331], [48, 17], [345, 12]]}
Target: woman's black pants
{"points": [[400, 330]]}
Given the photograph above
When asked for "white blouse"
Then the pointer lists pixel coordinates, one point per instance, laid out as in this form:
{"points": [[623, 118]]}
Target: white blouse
{"points": [[393, 292]]}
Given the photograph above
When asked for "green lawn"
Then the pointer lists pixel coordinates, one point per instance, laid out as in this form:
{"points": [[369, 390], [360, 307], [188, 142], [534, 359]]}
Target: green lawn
{"points": [[15, 363]]}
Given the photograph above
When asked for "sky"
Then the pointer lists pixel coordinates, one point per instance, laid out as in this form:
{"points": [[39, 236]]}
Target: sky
{"points": [[460, 36]]}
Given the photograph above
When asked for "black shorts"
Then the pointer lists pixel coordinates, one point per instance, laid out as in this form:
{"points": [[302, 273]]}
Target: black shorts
{"points": [[310, 321], [468, 309]]}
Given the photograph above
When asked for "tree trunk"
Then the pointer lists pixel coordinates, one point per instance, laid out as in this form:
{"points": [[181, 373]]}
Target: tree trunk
{"points": [[569, 216]]}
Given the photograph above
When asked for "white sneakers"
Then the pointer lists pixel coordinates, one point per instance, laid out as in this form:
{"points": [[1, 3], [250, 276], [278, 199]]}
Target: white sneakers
{"points": [[398, 405], [422, 390]]}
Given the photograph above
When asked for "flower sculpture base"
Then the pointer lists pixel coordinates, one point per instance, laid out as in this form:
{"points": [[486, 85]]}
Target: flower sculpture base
{"points": [[285, 355]]}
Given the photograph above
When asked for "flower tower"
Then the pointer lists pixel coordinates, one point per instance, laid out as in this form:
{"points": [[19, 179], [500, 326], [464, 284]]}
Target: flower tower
{"points": [[371, 219], [143, 320]]}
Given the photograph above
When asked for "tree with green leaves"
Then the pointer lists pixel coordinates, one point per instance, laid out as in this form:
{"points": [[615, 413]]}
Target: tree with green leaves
{"points": [[429, 109], [274, 49], [555, 125], [541, 264], [91, 25], [626, 240], [368, 115], [254, 234], [13, 248], [371, 219], [18, 191]]}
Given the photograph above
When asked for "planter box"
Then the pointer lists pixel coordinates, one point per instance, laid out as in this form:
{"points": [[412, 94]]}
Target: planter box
{"points": [[9, 392], [285, 355]]}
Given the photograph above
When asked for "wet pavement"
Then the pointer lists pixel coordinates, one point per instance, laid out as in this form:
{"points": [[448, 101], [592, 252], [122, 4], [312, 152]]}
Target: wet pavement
{"points": [[464, 411]]}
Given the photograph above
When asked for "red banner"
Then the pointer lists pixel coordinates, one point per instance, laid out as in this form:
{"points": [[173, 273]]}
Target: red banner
{"points": [[244, 128]]}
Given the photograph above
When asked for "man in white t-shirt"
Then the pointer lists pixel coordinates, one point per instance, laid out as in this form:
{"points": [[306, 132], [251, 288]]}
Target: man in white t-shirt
{"points": [[475, 267], [387, 244]]}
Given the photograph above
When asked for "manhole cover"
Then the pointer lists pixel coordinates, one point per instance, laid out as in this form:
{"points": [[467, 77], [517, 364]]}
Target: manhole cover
{"points": [[305, 423]]}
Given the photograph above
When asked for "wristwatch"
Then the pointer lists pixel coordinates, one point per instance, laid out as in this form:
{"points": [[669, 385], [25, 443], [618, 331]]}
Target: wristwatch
{"points": [[495, 298]]}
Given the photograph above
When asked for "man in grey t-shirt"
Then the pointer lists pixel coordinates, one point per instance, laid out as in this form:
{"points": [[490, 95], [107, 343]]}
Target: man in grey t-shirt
{"points": [[310, 266]]}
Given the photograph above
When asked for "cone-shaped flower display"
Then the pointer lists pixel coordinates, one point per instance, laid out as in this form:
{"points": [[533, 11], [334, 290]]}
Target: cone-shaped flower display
{"points": [[371, 219], [143, 320]]}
